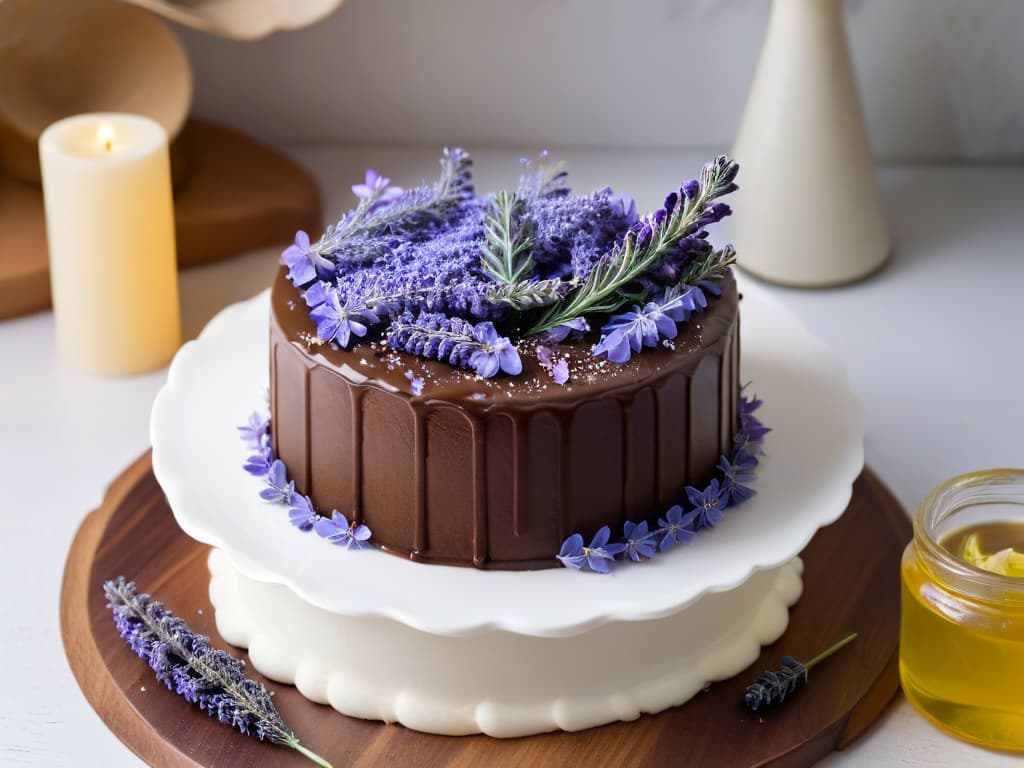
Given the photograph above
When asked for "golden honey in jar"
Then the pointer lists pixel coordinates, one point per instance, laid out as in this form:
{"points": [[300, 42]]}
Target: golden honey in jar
{"points": [[962, 629]]}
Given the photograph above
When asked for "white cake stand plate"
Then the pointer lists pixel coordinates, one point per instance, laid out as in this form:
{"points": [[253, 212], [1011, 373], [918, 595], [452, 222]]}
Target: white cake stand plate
{"points": [[457, 650]]}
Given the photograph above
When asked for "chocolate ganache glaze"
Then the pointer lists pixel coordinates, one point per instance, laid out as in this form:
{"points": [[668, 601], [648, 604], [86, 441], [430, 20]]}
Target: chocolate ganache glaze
{"points": [[496, 473]]}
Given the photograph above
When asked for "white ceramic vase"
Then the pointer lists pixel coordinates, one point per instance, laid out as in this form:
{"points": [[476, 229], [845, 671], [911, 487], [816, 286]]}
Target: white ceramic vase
{"points": [[809, 209]]}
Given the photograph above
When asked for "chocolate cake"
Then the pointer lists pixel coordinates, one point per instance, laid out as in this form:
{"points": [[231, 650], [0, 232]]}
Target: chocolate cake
{"points": [[496, 473], [458, 445]]}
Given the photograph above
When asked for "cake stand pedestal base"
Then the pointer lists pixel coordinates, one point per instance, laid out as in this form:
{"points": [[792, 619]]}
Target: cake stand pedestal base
{"points": [[851, 581]]}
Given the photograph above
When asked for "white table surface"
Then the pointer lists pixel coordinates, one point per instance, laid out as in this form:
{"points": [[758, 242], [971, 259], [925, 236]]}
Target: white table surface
{"points": [[933, 344]]}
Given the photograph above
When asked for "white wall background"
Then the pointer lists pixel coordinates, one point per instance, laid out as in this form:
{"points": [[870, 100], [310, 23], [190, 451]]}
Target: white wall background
{"points": [[941, 79]]}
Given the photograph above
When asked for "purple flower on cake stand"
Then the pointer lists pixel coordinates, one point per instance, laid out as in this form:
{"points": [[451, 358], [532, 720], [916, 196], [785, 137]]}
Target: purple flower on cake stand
{"points": [[639, 540], [254, 431], [597, 557], [709, 504], [304, 263], [259, 464], [301, 513], [340, 322], [675, 527], [339, 531], [376, 189], [494, 352], [752, 427], [279, 487], [735, 474]]}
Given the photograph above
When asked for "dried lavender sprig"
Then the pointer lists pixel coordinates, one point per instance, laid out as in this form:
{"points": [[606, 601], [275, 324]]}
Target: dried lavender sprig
{"points": [[412, 209], [455, 341], [434, 336], [185, 662], [773, 686], [646, 244]]}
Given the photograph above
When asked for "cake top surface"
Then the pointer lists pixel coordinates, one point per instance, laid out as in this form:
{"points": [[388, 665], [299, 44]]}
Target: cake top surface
{"points": [[527, 288], [586, 373]]}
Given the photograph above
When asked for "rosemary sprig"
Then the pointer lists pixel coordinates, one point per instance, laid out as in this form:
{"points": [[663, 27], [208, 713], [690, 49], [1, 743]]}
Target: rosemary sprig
{"points": [[772, 687], [185, 662], [409, 211], [531, 294], [708, 268], [505, 252], [640, 250]]}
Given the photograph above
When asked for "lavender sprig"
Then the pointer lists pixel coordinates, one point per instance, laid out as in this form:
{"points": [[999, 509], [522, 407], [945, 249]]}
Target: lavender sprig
{"points": [[410, 210], [187, 664], [455, 341], [773, 686], [646, 244]]}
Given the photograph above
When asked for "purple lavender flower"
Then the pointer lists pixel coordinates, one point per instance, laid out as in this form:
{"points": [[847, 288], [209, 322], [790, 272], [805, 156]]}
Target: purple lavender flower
{"points": [[575, 328], [304, 263], [558, 369], [709, 504], [187, 664], [752, 427], [571, 554], [301, 513], [597, 557], [735, 474], [560, 372], [279, 488], [494, 353], [316, 294], [711, 287], [632, 331], [749, 405], [376, 189], [639, 540], [680, 304], [255, 431], [415, 382], [584, 227], [339, 531], [337, 322], [259, 464], [675, 527]]}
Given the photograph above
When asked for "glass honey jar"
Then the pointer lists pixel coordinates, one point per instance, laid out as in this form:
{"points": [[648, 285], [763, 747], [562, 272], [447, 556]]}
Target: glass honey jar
{"points": [[962, 628]]}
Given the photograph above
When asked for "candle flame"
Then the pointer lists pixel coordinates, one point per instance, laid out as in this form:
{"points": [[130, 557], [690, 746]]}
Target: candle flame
{"points": [[105, 136]]}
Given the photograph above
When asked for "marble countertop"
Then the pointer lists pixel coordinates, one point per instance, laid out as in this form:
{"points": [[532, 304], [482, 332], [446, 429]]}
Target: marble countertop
{"points": [[933, 344]]}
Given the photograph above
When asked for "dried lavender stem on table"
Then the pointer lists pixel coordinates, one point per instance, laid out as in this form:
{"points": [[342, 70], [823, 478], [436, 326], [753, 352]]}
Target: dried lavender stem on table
{"points": [[187, 664]]}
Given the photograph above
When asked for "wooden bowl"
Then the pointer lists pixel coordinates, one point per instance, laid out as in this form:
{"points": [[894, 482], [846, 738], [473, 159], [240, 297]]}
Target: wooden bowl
{"points": [[241, 19], [59, 58]]}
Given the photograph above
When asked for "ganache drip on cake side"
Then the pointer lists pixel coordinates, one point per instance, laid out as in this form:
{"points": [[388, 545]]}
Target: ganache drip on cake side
{"points": [[507, 425]]}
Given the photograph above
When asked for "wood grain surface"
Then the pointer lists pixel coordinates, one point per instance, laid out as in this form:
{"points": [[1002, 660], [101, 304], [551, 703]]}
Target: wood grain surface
{"points": [[851, 583], [237, 194]]}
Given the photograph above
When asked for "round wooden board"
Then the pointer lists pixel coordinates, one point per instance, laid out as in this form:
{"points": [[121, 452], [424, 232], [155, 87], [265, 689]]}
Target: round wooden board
{"points": [[237, 194], [851, 583]]}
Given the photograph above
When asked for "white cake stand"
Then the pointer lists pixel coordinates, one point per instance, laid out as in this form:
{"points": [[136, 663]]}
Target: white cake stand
{"points": [[458, 650]]}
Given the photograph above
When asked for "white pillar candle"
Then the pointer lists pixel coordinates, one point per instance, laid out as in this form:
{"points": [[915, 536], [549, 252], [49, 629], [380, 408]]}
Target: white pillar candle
{"points": [[110, 227]]}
